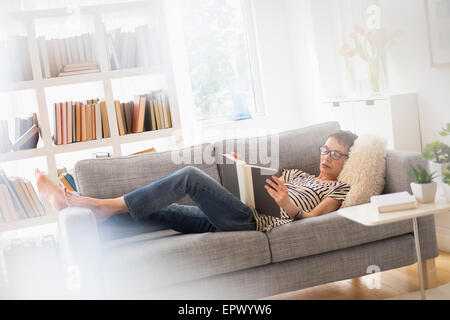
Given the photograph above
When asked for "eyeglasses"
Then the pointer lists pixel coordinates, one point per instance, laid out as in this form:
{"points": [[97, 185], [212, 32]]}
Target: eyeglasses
{"points": [[335, 155]]}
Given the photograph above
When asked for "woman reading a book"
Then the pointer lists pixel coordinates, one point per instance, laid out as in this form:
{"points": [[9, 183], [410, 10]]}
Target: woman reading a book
{"points": [[299, 195]]}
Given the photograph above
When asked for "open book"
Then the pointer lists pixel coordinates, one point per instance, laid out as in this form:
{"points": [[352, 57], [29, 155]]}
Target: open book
{"points": [[247, 183], [394, 202]]}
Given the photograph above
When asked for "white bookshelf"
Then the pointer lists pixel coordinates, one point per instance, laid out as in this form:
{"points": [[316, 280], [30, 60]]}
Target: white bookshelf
{"points": [[106, 77]]}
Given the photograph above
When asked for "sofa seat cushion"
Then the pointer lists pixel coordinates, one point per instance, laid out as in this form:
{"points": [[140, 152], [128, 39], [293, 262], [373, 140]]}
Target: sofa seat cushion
{"points": [[155, 260], [326, 233]]}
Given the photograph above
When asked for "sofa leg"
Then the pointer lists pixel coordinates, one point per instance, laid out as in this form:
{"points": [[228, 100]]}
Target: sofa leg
{"points": [[429, 274]]}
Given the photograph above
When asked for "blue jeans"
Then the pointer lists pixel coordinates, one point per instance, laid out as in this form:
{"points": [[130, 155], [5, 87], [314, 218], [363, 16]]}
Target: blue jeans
{"points": [[217, 209]]}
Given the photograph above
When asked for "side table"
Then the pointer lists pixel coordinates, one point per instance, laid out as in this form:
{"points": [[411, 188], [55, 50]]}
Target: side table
{"points": [[368, 215]]}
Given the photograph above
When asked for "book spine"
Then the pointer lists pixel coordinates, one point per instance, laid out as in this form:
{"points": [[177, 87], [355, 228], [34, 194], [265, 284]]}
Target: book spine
{"points": [[105, 123]]}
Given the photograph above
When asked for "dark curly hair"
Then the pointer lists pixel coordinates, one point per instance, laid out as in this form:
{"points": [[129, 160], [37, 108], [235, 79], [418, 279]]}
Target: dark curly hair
{"points": [[345, 138]]}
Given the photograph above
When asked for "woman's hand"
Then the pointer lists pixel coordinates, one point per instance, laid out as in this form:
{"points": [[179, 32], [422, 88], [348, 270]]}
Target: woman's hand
{"points": [[280, 194], [236, 156]]}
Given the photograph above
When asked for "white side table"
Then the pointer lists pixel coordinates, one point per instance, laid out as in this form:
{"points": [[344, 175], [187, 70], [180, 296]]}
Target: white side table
{"points": [[368, 215]]}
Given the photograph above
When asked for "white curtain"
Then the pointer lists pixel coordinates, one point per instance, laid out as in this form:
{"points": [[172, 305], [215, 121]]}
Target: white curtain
{"points": [[333, 21]]}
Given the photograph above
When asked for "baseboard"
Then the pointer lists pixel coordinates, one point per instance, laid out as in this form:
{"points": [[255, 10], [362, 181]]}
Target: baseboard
{"points": [[443, 238]]}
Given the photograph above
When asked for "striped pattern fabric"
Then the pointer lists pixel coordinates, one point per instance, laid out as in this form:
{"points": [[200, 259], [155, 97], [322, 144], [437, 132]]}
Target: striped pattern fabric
{"points": [[306, 192]]}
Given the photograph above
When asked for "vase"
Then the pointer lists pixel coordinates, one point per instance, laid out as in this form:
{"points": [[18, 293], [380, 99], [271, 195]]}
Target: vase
{"points": [[424, 193], [443, 190], [374, 77]]}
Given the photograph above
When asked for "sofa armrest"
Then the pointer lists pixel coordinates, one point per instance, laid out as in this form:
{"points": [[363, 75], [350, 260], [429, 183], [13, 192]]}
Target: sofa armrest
{"points": [[80, 249], [398, 164]]}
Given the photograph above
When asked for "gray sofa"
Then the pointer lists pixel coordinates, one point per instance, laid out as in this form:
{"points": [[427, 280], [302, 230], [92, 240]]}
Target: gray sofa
{"points": [[121, 258]]}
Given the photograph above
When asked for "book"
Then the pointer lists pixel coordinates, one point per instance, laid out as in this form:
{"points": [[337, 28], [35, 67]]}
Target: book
{"points": [[83, 123], [65, 183], [44, 58], [71, 73], [71, 180], [69, 121], [128, 112], [58, 133], [17, 204], [88, 122], [64, 122], [105, 123], [93, 124], [143, 152], [394, 202], [78, 121], [247, 183], [167, 111], [8, 209], [98, 122], [119, 117], [26, 200], [26, 137], [5, 143], [37, 203]]}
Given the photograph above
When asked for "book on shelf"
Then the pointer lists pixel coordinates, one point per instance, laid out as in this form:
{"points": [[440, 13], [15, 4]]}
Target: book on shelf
{"points": [[120, 118], [14, 50], [105, 123], [133, 49], [19, 207], [143, 152], [147, 112], [394, 202], [247, 183], [78, 122], [5, 142], [67, 56], [26, 133], [8, 210]]}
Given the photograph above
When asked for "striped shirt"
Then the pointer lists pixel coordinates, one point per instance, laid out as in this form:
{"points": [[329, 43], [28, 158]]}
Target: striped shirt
{"points": [[306, 192]]}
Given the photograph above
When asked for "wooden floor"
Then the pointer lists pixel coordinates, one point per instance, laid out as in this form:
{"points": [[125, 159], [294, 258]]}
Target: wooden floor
{"points": [[393, 283]]}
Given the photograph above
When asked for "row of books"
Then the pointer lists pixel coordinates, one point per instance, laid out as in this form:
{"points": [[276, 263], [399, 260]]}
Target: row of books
{"points": [[15, 59], [18, 199], [80, 121], [147, 112], [134, 49], [56, 54]]}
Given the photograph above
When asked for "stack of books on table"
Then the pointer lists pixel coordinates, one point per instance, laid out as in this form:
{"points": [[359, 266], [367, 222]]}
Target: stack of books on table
{"points": [[394, 202], [18, 199]]}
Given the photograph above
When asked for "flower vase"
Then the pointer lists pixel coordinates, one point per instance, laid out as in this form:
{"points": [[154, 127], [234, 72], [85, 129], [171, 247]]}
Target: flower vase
{"points": [[374, 78]]}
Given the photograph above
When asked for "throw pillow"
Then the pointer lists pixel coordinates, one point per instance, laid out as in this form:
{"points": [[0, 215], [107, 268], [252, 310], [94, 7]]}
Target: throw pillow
{"points": [[364, 170]]}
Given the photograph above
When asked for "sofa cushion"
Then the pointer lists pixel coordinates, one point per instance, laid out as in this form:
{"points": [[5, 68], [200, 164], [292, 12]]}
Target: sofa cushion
{"points": [[114, 177], [365, 170], [329, 232], [162, 258]]}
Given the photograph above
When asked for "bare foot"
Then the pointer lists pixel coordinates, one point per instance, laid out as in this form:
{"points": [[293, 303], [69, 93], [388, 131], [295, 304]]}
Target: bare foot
{"points": [[50, 190], [102, 208]]}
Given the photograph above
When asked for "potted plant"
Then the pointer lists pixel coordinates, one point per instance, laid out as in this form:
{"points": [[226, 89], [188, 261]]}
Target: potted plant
{"points": [[437, 154], [425, 188]]}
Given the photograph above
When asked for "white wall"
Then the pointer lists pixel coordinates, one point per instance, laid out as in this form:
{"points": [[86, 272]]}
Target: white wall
{"points": [[410, 67]]}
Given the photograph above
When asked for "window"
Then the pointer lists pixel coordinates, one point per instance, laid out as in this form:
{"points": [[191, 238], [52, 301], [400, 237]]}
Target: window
{"points": [[221, 67]]}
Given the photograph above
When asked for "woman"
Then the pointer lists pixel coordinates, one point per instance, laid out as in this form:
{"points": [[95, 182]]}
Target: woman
{"points": [[299, 195]]}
